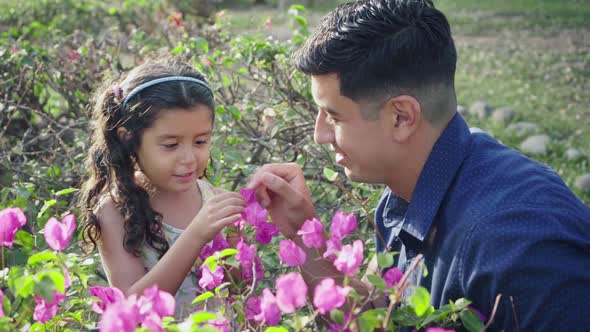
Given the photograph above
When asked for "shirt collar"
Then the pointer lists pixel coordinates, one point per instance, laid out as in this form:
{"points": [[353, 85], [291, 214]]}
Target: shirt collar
{"points": [[436, 177]]}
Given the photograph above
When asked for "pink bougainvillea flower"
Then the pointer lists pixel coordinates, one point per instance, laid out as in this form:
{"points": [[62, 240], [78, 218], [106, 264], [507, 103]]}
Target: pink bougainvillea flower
{"points": [[176, 19], [290, 253], [121, 316], [255, 214], [157, 301], [210, 280], [44, 310], [206, 62], [438, 329], [217, 244], [343, 224], [206, 251], [265, 232], [152, 322], [256, 267], [67, 279], [252, 307], [350, 258], [107, 296], [73, 55], [312, 233], [392, 277], [57, 234], [11, 219], [268, 23], [246, 253], [269, 310], [1, 301], [220, 324], [333, 246], [249, 195], [328, 296], [291, 292]]}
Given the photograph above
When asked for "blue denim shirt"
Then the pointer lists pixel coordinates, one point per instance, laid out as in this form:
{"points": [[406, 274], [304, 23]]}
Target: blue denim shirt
{"points": [[489, 220]]}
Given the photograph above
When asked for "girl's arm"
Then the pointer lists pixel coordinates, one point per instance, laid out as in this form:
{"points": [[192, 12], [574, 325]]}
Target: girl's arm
{"points": [[127, 272]]}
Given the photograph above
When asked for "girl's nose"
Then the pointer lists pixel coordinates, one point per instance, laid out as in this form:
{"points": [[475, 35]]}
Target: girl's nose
{"points": [[188, 155]]}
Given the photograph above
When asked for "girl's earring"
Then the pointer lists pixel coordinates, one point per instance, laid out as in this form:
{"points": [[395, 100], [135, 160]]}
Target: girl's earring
{"points": [[204, 174]]}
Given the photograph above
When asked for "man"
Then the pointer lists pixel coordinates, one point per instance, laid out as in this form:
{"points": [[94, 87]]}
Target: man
{"points": [[487, 219]]}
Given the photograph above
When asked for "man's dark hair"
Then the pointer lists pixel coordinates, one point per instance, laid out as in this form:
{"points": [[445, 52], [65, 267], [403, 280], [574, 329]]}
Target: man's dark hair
{"points": [[384, 48]]}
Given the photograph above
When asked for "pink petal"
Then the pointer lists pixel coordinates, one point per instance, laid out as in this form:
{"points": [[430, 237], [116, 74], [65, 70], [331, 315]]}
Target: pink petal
{"points": [[291, 254]]}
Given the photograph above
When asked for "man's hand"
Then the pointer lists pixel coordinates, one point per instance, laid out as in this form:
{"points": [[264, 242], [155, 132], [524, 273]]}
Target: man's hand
{"points": [[281, 189]]}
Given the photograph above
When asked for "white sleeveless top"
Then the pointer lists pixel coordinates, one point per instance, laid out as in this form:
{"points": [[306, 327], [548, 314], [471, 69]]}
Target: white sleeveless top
{"points": [[189, 289]]}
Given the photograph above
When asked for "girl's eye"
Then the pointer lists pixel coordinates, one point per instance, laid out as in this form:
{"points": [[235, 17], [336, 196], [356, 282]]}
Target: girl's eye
{"points": [[170, 146], [201, 142]]}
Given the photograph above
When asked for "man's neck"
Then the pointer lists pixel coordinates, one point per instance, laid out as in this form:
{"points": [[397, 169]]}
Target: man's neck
{"points": [[406, 173]]}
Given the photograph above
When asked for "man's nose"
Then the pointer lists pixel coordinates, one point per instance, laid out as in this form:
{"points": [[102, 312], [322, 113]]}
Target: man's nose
{"points": [[323, 132]]}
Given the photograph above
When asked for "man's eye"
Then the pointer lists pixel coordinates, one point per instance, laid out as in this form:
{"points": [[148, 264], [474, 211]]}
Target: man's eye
{"points": [[330, 120]]}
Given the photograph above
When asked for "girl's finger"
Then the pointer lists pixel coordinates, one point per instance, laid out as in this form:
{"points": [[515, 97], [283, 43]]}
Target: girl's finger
{"points": [[230, 210], [229, 220]]}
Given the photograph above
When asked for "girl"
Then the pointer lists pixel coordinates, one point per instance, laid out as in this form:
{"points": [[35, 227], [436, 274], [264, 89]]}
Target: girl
{"points": [[144, 203]]}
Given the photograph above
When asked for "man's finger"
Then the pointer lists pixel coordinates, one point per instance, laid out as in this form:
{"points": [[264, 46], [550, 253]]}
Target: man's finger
{"points": [[280, 187]]}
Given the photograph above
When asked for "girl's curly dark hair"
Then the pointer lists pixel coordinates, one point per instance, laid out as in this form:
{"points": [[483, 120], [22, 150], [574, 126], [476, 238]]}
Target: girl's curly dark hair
{"points": [[111, 162]]}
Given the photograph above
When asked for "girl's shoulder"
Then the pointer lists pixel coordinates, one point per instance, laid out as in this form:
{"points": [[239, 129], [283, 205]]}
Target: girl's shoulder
{"points": [[107, 212]]}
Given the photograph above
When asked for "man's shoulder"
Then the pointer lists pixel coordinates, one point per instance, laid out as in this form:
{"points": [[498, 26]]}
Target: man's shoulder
{"points": [[498, 175]]}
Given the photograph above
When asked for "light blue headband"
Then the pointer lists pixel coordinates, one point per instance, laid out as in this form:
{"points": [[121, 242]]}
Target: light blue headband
{"points": [[162, 80]]}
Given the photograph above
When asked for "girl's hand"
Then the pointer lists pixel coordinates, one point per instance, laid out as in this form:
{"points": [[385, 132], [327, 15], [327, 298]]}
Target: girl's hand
{"points": [[218, 212]]}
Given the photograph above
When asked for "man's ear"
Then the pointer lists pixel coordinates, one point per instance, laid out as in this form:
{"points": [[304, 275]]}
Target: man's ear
{"points": [[404, 115], [123, 134]]}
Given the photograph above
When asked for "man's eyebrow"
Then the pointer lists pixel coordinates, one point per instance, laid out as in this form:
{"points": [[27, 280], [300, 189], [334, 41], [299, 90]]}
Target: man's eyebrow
{"points": [[329, 110]]}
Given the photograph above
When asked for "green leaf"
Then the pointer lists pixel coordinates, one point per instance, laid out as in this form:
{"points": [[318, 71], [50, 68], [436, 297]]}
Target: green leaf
{"points": [[337, 316], [24, 285], [6, 305], [461, 304], [276, 329], [203, 297], [57, 278], [211, 261], [202, 316], [377, 281], [46, 205], [24, 239], [372, 319], [201, 44], [299, 8], [301, 20], [66, 191], [44, 256], [330, 174], [471, 321], [45, 288], [405, 316], [385, 260], [228, 252], [420, 300], [437, 315]]}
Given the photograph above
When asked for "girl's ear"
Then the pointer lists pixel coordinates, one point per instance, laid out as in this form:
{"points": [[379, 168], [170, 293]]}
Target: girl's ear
{"points": [[123, 134]]}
